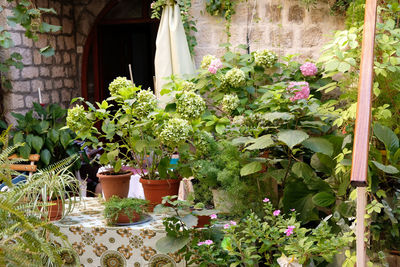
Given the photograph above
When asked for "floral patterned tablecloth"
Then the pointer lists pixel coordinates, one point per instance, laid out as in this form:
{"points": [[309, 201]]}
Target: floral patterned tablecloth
{"points": [[99, 245]]}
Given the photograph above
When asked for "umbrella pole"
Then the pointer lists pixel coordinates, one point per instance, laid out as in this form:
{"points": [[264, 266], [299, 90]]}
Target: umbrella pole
{"points": [[360, 226]]}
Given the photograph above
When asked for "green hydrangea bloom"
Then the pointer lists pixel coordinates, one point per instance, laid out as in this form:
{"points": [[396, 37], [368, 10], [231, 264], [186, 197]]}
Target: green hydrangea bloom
{"points": [[188, 86], [234, 78], [118, 84], [202, 142], [229, 103], [146, 102], [190, 105], [265, 58], [206, 61], [175, 132], [77, 119]]}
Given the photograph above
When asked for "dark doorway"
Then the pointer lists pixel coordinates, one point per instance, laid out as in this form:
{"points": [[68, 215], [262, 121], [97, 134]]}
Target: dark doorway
{"points": [[122, 34], [121, 45]]}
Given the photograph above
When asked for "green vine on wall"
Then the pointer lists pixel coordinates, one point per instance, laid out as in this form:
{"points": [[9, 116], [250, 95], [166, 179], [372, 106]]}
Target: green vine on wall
{"points": [[224, 8], [187, 19]]}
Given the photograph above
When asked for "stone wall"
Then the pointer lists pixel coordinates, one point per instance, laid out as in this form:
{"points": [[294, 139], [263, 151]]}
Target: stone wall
{"points": [[284, 26], [56, 75]]}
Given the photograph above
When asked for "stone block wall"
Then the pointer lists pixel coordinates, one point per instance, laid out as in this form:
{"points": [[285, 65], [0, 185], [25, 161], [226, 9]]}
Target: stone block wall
{"points": [[56, 75], [283, 26]]}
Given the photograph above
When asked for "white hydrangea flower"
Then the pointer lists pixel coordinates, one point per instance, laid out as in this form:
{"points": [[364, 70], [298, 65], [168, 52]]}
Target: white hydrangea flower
{"points": [[77, 119], [202, 141], [229, 103], [190, 105], [175, 132], [234, 78], [206, 61], [146, 103], [265, 58], [239, 120], [188, 86], [117, 84]]}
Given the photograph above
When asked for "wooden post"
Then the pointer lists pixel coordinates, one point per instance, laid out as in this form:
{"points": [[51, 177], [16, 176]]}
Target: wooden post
{"points": [[362, 127], [130, 73]]}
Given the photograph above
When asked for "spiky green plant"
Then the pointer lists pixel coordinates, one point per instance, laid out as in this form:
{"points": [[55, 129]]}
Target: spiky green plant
{"points": [[25, 236]]}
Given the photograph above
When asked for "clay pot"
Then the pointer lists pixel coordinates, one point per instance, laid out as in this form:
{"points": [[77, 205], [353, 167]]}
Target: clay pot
{"points": [[115, 184], [155, 190], [202, 220], [123, 218], [55, 210]]}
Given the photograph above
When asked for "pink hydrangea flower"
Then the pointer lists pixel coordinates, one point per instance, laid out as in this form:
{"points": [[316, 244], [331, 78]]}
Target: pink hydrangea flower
{"points": [[308, 69], [276, 213], [215, 65], [301, 90], [233, 223], [213, 216], [226, 226], [289, 230], [265, 200], [208, 242]]}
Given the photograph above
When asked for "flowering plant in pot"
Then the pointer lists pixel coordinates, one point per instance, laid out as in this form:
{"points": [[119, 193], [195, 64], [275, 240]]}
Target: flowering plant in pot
{"points": [[126, 210], [108, 125]]}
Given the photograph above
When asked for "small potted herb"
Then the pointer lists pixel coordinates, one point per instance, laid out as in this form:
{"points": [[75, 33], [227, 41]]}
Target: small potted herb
{"points": [[125, 210]]}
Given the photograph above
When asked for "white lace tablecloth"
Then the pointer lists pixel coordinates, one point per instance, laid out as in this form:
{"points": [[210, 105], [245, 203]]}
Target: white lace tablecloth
{"points": [[99, 245]]}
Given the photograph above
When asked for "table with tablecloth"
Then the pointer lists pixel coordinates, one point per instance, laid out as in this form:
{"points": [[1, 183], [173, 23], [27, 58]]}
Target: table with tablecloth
{"points": [[97, 244]]}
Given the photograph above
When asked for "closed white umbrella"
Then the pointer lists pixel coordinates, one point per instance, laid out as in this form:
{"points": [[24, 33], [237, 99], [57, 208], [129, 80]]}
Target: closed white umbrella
{"points": [[172, 50]]}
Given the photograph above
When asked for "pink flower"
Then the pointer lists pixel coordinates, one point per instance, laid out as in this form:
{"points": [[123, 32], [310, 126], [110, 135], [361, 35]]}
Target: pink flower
{"points": [[215, 65], [276, 213], [226, 226], [208, 242], [289, 230], [292, 209], [152, 5], [213, 216], [265, 200], [308, 69], [233, 222], [301, 90], [200, 243]]}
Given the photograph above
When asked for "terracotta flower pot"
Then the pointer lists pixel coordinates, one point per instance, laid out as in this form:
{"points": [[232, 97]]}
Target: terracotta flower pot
{"points": [[123, 218], [155, 190], [202, 220], [115, 185], [55, 210]]}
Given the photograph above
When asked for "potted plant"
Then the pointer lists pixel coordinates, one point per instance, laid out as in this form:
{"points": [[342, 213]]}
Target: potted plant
{"points": [[58, 192], [124, 211], [109, 126]]}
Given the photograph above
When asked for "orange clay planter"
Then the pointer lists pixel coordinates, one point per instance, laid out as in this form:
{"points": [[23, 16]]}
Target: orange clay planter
{"points": [[115, 184], [155, 190]]}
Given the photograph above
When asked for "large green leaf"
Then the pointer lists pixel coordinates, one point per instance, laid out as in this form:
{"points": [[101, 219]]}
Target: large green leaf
{"points": [[169, 244], [323, 199], [45, 156], [65, 139], [261, 142], [302, 170], [190, 220], [386, 136], [37, 143], [292, 137], [25, 151], [251, 168], [271, 116], [386, 168], [54, 135], [297, 196], [322, 163], [319, 145], [18, 138]]}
